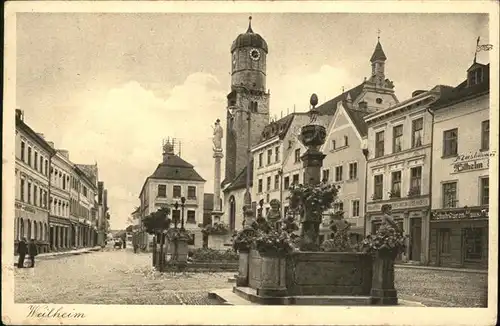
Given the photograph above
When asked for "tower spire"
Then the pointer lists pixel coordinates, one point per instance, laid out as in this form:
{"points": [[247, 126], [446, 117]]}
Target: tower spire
{"points": [[378, 35], [249, 30]]}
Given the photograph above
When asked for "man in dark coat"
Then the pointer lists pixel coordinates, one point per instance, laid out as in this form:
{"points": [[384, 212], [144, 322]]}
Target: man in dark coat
{"points": [[22, 249], [32, 252]]}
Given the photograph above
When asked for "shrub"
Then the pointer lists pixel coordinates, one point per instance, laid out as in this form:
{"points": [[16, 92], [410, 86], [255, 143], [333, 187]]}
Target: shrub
{"points": [[219, 228], [386, 238], [212, 255]]}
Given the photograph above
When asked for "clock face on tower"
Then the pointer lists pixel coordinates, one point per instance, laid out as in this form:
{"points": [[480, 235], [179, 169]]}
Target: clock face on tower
{"points": [[254, 54]]}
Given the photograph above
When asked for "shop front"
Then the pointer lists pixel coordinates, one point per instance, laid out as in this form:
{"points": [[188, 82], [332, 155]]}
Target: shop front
{"points": [[59, 234], [31, 223], [459, 237], [411, 214]]}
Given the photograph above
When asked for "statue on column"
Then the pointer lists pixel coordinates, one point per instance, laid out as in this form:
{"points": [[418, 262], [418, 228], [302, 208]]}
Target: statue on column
{"points": [[218, 134]]}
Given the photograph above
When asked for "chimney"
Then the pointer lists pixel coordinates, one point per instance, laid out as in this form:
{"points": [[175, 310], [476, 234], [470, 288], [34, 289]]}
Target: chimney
{"points": [[19, 114], [51, 144], [41, 135], [64, 153], [417, 92]]}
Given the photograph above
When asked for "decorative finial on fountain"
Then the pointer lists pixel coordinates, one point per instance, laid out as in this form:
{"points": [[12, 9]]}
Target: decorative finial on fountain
{"points": [[313, 113]]}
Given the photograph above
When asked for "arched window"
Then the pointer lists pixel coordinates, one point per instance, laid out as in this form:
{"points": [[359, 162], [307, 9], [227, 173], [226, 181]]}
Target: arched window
{"points": [[40, 231], [28, 230], [21, 229], [232, 213]]}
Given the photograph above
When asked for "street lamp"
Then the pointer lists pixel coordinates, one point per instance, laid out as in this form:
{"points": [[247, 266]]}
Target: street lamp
{"points": [[176, 206], [183, 201]]}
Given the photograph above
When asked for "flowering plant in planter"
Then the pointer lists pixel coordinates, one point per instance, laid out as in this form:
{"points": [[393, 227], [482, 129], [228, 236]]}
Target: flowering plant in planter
{"points": [[219, 228], [174, 234], [387, 239], [243, 239], [312, 200], [273, 242]]}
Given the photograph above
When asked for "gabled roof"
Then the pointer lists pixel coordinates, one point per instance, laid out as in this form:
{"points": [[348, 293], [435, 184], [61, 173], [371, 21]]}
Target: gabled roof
{"points": [[357, 117], [175, 168], [277, 128], [378, 53], [34, 136], [240, 181], [329, 107], [463, 92]]}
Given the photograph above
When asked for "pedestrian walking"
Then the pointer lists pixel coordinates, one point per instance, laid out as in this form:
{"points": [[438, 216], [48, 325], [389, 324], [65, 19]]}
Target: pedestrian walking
{"points": [[22, 249], [32, 252]]}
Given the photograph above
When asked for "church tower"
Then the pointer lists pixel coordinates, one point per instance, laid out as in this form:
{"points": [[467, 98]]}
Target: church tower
{"points": [[248, 92], [378, 65]]}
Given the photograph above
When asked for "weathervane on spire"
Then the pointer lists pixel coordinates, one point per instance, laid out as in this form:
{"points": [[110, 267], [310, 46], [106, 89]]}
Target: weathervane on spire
{"points": [[378, 34], [250, 25]]}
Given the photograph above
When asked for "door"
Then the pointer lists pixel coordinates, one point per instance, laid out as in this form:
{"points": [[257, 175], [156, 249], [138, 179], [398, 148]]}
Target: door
{"points": [[415, 238]]}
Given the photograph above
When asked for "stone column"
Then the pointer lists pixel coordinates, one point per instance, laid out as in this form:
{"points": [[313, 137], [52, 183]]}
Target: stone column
{"points": [[312, 137], [217, 210]]}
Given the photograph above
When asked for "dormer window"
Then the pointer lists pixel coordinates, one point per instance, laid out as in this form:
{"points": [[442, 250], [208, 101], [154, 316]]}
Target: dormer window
{"points": [[475, 77]]}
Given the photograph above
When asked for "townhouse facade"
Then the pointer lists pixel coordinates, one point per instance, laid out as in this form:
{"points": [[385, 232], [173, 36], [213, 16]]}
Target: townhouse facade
{"points": [[462, 152], [33, 157], [172, 180], [399, 168]]}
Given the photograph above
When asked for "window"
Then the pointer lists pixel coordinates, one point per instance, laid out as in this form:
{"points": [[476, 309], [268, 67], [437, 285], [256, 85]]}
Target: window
{"points": [[29, 192], [260, 186], [449, 195], [84, 190], [269, 156], [277, 154], [475, 77], [338, 206], [22, 190], [338, 173], [46, 172], [23, 148], [191, 217], [326, 175], [35, 161], [355, 208], [396, 184], [45, 199], [191, 192], [276, 182], [334, 145], [353, 171], [176, 216], [378, 182], [190, 241], [379, 144], [297, 155], [176, 191], [450, 140], [29, 156], [162, 191], [35, 195], [485, 191], [473, 243], [41, 164], [286, 182], [417, 127], [485, 135], [64, 182], [346, 141], [444, 241], [397, 139], [295, 179], [415, 181], [261, 160], [268, 184], [41, 197]]}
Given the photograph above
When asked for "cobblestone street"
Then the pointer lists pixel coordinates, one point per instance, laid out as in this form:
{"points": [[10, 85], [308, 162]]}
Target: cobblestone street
{"points": [[112, 277]]}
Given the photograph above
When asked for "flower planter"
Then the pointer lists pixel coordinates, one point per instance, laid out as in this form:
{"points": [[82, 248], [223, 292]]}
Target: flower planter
{"points": [[267, 272], [242, 278], [383, 291]]}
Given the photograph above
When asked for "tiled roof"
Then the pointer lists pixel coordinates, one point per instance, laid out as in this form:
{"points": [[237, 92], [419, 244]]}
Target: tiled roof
{"points": [[241, 180], [175, 168], [329, 107], [378, 53], [277, 128], [208, 202], [463, 92], [34, 136], [357, 118]]}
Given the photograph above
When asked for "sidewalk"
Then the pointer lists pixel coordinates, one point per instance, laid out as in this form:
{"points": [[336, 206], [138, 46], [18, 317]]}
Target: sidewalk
{"points": [[447, 269], [62, 253]]}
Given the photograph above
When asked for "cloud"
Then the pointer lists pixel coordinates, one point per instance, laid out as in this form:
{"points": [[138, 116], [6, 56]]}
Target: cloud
{"points": [[123, 130]]}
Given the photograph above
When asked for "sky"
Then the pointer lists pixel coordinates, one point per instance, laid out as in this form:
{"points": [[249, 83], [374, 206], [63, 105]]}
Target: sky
{"points": [[110, 87]]}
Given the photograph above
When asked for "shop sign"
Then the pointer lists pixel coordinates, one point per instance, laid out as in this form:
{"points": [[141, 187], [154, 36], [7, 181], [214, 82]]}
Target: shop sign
{"points": [[408, 203], [460, 215], [471, 162], [25, 208]]}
